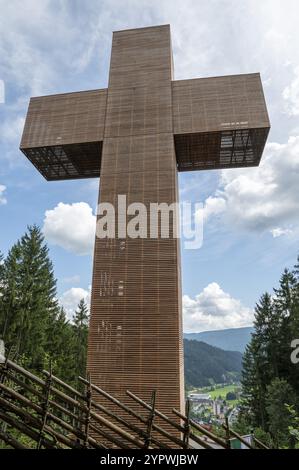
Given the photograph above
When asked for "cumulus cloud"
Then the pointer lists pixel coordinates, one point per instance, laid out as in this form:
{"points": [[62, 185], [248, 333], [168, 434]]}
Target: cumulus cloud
{"points": [[263, 198], [71, 226], [214, 309], [71, 298], [3, 200], [213, 206], [291, 95]]}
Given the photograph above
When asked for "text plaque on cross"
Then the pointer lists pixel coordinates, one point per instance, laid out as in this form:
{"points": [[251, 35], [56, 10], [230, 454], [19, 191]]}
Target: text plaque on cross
{"points": [[136, 135]]}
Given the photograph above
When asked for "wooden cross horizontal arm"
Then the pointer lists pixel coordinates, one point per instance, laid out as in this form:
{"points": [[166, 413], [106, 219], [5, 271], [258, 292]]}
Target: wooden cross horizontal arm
{"points": [[63, 134], [218, 122]]}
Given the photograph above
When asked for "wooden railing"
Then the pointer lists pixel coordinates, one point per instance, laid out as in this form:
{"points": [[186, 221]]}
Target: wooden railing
{"points": [[45, 412]]}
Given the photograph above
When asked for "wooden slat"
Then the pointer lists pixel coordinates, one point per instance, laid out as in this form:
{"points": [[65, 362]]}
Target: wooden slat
{"points": [[207, 112], [219, 103], [135, 339], [66, 118]]}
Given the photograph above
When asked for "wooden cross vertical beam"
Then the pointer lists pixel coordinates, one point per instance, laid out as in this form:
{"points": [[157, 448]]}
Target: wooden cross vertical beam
{"points": [[135, 339]]}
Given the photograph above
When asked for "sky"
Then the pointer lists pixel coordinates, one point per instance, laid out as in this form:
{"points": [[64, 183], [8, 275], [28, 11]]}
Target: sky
{"points": [[251, 222]]}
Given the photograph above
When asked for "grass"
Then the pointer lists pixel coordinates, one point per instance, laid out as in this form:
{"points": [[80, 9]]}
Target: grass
{"points": [[222, 391]]}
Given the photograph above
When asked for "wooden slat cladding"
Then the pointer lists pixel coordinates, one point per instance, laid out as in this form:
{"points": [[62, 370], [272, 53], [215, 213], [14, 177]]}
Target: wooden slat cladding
{"points": [[63, 134], [218, 104], [138, 111], [219, 122], [66, 118], [141, 57], [135, 339]]}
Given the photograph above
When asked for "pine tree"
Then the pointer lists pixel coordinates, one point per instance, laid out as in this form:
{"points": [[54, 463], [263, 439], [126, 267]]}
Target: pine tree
{"points": [[280, 394], [10, 294], [260, 361], [80, 328], [60, 347], [266, 336], [253, 386], [285, 306], [266, 362], [29, 298], [31, 321], [1, 266], [294, 327], [248, 385], [1, 290]]}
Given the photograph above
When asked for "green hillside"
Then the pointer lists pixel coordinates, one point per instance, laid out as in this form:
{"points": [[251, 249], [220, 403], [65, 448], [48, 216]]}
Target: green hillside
{"points": [[205, 363]]}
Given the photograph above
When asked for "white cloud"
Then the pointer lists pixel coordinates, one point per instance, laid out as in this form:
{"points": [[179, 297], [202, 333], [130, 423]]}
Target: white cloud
{"points": [[214, 309], [262, 198], [71, 298], [213, 206], [71, 226], [35, 38], [3, 200], [278, 232], [291, 95]]}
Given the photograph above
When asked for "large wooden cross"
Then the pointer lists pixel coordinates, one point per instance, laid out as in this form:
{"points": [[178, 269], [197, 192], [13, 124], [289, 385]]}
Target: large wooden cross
{"points": [[136, 135]]}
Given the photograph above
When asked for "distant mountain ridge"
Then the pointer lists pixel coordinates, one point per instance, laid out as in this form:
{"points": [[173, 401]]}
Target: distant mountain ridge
{"points": [[232, 339], [205, 363]]}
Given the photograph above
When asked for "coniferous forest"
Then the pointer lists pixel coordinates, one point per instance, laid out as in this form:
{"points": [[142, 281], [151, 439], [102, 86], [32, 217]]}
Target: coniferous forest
{"points": [[33, 325], [270, 381], [35, 331]]}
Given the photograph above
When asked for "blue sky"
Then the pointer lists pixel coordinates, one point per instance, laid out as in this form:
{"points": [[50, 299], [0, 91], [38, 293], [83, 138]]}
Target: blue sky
{"points": [[251, 224]]}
